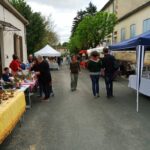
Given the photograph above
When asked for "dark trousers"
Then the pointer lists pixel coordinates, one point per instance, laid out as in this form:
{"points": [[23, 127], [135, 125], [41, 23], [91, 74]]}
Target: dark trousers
{"points": [[109, 85], [40, 87], [95, 84], [74, 81], [46, 88], [51, 89]]}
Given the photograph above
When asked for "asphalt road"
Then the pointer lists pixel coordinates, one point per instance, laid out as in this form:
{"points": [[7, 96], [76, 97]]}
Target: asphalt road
{"points": [[77, 121]]}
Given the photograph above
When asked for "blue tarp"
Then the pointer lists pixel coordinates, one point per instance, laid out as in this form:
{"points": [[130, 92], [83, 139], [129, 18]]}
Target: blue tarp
{"points": [[143, 39]]}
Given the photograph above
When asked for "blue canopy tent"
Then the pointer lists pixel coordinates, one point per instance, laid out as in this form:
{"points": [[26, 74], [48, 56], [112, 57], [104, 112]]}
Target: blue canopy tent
{"points": [[140, 44]]}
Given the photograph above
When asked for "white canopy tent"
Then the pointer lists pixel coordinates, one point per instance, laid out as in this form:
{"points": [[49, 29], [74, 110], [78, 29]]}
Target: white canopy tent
{"points": [[48, 51], [98, 49]]}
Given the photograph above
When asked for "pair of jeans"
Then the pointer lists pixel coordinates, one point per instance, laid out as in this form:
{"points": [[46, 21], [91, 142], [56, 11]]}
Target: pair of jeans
{"points": [[95, 84], [74, 81], [109, 85]]}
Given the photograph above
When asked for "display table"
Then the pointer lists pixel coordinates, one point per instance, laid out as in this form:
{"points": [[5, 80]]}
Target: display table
{"points": [[144, 87], [10, 113], [31, 84], [54, 66], [26, 90]]}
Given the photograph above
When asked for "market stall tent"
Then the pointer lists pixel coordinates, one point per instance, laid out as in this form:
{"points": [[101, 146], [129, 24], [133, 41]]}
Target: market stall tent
{"points": [[48, 51], [140, 44], [98, 49]]}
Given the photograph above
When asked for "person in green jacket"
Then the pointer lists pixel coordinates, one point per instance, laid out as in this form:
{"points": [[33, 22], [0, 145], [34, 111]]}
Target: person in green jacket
{"points": [[94, 67]]}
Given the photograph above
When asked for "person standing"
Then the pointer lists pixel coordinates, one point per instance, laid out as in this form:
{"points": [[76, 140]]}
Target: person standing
{"points": [[45, 76], [108, 65], [94, 66], [30, 58], [74, 69], [68, 60], [15, 65], [35, 67], [6, 76]]}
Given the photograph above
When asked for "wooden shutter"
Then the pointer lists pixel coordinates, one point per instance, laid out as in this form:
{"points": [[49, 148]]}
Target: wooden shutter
{"points": [[21, 48], [15, 44]]}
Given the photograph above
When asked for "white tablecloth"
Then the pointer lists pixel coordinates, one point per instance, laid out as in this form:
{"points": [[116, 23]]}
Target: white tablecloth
{"points": [[144, 87], [24, 88], [54, 66]]}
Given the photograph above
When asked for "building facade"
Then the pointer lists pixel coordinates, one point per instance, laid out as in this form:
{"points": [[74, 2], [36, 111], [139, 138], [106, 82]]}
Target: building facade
{"points": [[133, 18], [12, 34]]}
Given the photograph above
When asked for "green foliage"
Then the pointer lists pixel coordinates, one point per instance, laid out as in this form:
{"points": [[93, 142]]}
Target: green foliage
{"points": [[92, 30], [39, 31], [90, 10]]}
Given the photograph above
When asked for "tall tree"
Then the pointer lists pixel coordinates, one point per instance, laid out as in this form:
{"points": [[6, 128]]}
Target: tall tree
{"points": [[77, 20], [90, 10], [39, 30], [92, 30]]}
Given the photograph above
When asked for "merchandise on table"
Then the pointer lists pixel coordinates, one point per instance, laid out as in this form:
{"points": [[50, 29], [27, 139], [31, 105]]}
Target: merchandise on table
{"points": [[6, 94], [11, 111]]}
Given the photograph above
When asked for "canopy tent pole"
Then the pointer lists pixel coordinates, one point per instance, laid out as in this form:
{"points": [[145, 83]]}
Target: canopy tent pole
{"points": [[139, 42], [140, 64]]}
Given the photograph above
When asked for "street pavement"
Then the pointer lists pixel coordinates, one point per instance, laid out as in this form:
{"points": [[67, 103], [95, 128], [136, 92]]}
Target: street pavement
{"points": [[78, 121]]}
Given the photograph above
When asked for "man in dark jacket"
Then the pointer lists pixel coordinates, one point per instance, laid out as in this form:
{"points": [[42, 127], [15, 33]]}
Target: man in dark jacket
{"points": [[45, 76], [108, 64]]}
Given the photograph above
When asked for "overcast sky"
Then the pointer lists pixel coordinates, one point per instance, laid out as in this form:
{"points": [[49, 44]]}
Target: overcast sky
{"points": [[62, 12]]}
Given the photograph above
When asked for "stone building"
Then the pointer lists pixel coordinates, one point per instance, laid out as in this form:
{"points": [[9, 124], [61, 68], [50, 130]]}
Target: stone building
{"points": [[133, 18], [12, 34]]}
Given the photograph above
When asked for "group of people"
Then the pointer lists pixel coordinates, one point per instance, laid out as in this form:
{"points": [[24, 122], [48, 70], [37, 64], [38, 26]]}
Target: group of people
{"points": [[41, 69], [97, 67]]}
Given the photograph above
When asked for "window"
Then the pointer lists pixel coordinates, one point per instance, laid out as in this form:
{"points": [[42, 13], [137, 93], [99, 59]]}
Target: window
{"points": [[146, 25], [123, 34], [132, 30]]}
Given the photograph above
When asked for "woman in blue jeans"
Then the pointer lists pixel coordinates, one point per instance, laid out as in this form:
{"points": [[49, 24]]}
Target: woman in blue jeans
{"points": [[94, 66]]}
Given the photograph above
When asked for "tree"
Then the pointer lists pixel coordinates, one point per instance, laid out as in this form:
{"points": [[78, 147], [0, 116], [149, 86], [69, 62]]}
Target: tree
{"points": [[90, 10], [77, 20], [92, 30], [39, 31]]}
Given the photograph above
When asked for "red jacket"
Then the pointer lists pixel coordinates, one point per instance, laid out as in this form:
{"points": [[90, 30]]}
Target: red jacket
{"points": [[14, 65]]}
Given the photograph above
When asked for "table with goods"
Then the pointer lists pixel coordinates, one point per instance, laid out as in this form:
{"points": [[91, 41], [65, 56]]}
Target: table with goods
{"points": [[12, 108], [145, 83], [24, 81], [14, 99]]}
